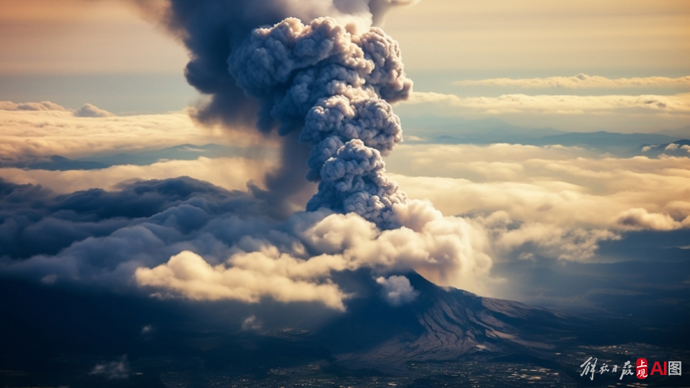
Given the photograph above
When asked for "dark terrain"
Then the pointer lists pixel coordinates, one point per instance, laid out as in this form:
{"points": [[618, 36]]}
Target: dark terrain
{"points": [[443, 338]]}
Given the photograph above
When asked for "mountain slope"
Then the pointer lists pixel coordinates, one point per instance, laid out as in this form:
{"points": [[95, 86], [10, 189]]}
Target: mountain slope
{"points": [[441, 324]]}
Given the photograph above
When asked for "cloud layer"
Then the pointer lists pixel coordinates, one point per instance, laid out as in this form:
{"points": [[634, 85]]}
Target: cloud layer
{"points": [[249, 278], [45, 129], [553, 201], [678, 104], [565, 200], [449, 251], [581, 81], [189, 239], [180, 238], [185, 239], [229, 173]]}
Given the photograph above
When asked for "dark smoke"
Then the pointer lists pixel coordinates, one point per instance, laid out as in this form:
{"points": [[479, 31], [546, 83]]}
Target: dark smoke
{"points": [[332, 73], [332, 83]]}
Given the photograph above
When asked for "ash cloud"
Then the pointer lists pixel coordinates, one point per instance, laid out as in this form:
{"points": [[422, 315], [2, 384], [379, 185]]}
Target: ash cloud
{"points": [[336, 85], [212, 30], [315, 62]]}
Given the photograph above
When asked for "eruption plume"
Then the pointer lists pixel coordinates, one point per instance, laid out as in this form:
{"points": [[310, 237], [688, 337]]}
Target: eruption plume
{"points": [[337, 85], [321, 75], [316, 75]]}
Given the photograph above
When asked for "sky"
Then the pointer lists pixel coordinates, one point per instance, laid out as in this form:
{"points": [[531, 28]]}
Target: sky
{"points": [[119, 177], [106, 53]]}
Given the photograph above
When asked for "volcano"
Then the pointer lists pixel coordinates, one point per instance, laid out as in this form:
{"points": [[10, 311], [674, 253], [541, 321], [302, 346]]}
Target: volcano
{"points": [[444, 333], [442, 324]]}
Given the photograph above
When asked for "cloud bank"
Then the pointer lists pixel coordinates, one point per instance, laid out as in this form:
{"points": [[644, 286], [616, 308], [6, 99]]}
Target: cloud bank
{"points": [[181, 238], [189, 239], [581, 81], [678, 104], [89, 110], [448, 251], [30, 106], [46, 129], [551, 201], [249, 278], [230, 173], [199, 242]]}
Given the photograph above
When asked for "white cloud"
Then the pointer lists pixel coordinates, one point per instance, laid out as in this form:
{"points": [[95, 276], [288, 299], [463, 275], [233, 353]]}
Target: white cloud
{"points": [[582, 81], [252, 276], [449, 251], [563, 185], [88, 110], [565, 243], [640, 219], [229, 173], [552, 201], [678, 104], [446, 250], [44, 129], [397, 290], [671, 147]]}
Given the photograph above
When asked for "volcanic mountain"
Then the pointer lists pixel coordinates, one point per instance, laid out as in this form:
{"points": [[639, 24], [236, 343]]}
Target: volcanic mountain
{"points": [[372, 338], [442, 324]]}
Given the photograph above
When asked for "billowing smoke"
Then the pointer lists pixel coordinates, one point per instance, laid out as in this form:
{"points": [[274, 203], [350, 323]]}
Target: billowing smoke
{"points": [[332, 83], [323, 77], [315, 73]]}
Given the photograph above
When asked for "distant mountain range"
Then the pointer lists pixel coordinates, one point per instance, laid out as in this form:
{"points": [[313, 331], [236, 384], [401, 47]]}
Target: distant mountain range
{"points": [[179, 152], [138, 158], [53, 163], [446, 130], [465, 131]]}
